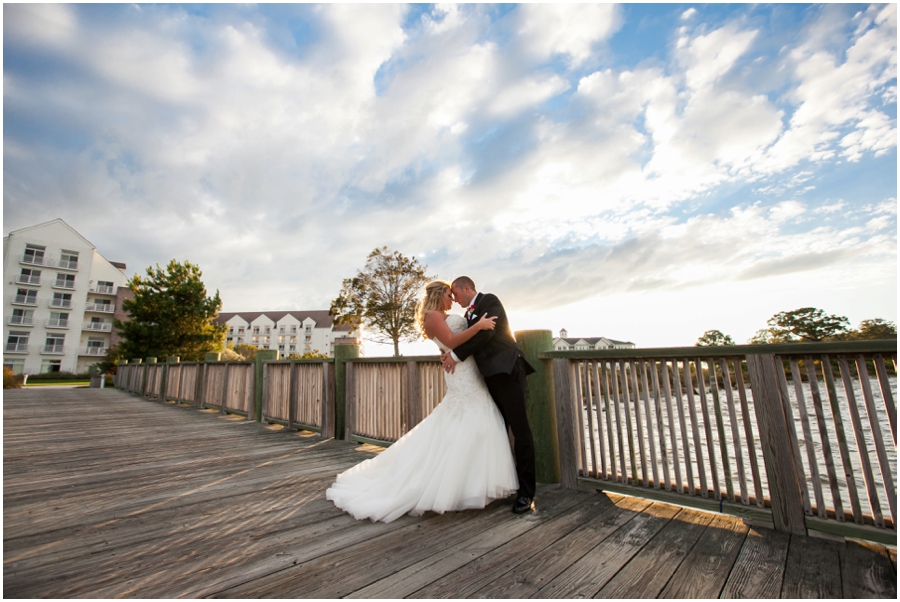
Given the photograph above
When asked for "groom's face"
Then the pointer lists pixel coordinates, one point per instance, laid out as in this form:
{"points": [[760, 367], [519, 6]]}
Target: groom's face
{"points": [[462, 295]]}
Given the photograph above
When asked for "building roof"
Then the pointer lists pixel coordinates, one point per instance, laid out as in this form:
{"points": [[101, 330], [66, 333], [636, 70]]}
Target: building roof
{"points": [[61, 221], [593, 340], [319, 316]]}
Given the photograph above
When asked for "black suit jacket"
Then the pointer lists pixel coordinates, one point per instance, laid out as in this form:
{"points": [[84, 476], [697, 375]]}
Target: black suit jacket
{"points": [[495, 351]]}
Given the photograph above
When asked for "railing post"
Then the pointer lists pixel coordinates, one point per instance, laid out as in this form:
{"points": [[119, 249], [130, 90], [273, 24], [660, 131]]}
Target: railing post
{"points": [[775, 441], [263, 355], [164, 378], [567, 424], [146, 377], [328, 383], [118, 380], [342, 354], [540, 406]]}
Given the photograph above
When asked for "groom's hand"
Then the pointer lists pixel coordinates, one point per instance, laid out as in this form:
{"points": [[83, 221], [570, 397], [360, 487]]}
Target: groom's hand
{"points": [[448, 362]]}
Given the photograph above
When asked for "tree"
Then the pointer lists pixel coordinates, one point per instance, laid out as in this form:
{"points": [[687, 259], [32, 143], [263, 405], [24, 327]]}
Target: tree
{"points": [[170, 314], [308, 355], [806, 325], [874, 329], [763, 336], [383, 297], [714, 338], [247, 352]]}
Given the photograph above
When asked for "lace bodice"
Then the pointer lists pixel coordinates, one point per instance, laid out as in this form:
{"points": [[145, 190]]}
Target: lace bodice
{"points": [[456, 324]]}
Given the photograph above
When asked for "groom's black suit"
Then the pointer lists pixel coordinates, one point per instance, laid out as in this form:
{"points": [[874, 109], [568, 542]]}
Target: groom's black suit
{"points": [[504, 368]]}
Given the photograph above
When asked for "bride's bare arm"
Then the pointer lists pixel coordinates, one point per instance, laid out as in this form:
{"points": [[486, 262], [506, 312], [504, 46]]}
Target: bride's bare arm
{"points": [[436, 328]]}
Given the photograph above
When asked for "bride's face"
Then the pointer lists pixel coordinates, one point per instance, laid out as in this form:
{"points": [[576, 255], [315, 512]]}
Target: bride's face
{"points": [[447, 301]]}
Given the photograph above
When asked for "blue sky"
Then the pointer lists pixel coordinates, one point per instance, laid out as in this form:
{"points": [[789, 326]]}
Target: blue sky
{"points": [[643, 172]]}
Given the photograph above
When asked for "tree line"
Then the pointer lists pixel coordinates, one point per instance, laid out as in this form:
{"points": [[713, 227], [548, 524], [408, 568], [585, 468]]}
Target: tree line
{"points": [[807, 325]]}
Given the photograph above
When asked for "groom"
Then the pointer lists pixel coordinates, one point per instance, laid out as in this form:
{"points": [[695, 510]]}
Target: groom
{"points": [[504, 369]]}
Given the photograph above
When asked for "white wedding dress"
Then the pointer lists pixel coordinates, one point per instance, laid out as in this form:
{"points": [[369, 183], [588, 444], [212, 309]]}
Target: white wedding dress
{"points": [[456, 458]]}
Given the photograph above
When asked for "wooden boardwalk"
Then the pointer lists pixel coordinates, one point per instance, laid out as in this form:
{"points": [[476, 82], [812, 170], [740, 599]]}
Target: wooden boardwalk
{"points": [[108, 495]]}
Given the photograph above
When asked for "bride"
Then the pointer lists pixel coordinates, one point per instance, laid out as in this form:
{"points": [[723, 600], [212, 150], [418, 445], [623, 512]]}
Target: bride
{"points": [[457, 458]]}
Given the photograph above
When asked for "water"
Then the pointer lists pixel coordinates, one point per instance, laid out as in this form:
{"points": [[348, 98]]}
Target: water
{"points": [[881, 422]]}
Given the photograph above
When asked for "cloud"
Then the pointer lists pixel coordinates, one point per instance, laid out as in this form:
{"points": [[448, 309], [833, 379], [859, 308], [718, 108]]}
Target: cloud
{"points": [[566, 29]]}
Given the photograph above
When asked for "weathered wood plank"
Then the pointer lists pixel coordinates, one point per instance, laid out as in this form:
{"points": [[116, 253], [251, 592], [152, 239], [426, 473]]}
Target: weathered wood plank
{"points": [[758, 571], [813, 569], [867, 571]]}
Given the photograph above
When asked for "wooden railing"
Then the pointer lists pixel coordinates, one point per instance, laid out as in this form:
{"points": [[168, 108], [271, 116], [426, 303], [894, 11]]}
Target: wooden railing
{"points": [[796, 436], [802, 435], [388, 397], [299, 394]]}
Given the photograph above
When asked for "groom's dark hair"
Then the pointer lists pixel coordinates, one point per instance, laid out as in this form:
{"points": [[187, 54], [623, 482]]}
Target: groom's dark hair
{"points": [[463, 281]]}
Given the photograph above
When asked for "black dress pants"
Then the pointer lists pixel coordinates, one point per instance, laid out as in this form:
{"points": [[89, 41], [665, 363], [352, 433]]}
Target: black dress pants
{"points": [[508, 391]]}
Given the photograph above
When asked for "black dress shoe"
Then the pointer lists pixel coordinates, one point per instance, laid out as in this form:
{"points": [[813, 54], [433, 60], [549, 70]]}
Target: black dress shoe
{"points": [[523, 504]]}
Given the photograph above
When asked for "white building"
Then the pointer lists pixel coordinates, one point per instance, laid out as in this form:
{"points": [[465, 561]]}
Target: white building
{"points": [[289, 332], [59, 296], [565, 343]]}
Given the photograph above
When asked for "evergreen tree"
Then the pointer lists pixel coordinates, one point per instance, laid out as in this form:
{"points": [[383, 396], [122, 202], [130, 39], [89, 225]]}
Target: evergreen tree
{"points": [[714, 338], [171, 315]]}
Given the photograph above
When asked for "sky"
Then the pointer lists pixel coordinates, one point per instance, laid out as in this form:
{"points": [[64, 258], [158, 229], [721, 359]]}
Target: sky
{"points": [[643, 172]]}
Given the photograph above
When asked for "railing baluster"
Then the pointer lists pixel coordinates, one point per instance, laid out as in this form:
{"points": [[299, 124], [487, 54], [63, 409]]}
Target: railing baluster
{"points": [[827, 454], [648, 414], [735, 430], [886, 395], [720, 428], [797, 379], [842, 440], [692, 409], [890, 490], [617, 404], [673, 425], [611, 438], [598, 403], [589, 401], [688, 457], [579, 388], [638, 421], [626, 409], [862, 452]]}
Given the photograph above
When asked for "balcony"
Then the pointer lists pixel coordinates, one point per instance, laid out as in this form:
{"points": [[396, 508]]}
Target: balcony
{"points": [[63, 283], [97, 326], [93, 351], [106, 308], [103, 289], [16, 348], [32, 280], [53, 349], [61, 303], [25, 300], [21, 321], [67, 264], [34, 260], [59, 323]]}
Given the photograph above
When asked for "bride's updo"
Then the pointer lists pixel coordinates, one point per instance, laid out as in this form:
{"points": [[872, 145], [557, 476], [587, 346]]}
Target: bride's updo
{"points": [[432, 301]]}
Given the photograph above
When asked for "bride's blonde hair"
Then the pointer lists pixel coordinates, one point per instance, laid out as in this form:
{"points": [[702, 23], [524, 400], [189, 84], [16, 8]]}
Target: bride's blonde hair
{"points": [[432, 301]]}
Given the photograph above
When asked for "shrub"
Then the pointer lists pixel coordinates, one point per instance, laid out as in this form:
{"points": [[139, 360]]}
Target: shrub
{"points": [[11, 380], [51, 376]]}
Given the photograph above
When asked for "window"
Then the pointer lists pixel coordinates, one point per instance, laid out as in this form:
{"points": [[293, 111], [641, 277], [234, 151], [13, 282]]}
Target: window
{"points": [[17, 365], [293, 348], [268, 330], [59, 319], [61, 300], [255, 340], [34, 254], [281, 339], [96, 346], [230, 331], [55, 343], [22, 317], [29, 276], [17, 342], [293, 330], [68, 260], [256, 330], [26, 296], [309, 330], [281, 330], [65, 281], [106, 287], [240, 330], [48, 366]]}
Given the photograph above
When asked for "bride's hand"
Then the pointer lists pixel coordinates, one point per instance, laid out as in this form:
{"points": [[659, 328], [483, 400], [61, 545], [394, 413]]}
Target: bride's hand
{"points": [[486, 323]]}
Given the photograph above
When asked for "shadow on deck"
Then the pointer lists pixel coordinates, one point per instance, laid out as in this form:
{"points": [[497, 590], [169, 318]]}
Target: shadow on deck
{"points": [[108, 495]]}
